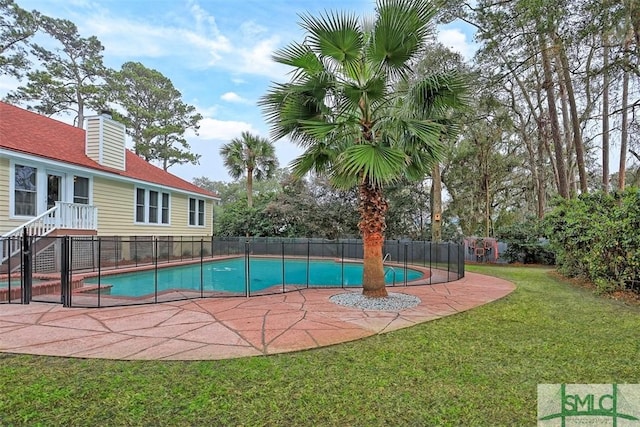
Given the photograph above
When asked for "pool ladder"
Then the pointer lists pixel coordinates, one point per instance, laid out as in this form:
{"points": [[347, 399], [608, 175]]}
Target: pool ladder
{"points": [[390, 269]]}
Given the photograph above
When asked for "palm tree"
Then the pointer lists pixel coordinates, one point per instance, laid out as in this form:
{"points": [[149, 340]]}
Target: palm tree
{"points": [[351, 105], [252, 156]]}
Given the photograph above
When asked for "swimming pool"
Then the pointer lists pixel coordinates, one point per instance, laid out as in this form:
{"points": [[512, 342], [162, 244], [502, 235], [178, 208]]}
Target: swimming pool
{"points": [[15, 282], [229, 275]]}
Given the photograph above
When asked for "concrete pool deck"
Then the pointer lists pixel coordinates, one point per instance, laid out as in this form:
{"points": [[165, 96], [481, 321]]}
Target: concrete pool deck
{"points": [[230, 327]]}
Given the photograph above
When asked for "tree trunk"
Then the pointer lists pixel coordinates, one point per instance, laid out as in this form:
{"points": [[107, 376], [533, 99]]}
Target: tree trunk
{"points": [[541, 190], [436, 205], [568, 140], [563, 187], [575, 118], [250, 187], [487, 206], [372, 208], [605, 114], [80, 119], [624, 132]]}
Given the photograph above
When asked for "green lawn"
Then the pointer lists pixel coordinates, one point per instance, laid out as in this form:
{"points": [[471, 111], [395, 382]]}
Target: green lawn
{"points": [[476, 368]]}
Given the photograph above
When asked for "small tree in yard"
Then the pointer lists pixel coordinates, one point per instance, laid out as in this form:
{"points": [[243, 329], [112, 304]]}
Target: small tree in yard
{"points": [[344, 107]]}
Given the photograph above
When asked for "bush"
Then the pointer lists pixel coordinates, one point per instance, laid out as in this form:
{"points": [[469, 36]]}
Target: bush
{"points": [[597, 236], [525, 244]]}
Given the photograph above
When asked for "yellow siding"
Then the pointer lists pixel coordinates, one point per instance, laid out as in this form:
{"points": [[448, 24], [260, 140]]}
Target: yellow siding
{"points": [[6, 224], [116, 209]]}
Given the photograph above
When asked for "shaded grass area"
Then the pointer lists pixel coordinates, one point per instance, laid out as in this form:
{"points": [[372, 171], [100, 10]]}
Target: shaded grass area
{"points": [[481, 367]]}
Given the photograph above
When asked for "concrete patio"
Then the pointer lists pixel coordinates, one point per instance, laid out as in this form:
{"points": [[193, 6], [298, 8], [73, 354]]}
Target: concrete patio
{"points": [[220, 328]]}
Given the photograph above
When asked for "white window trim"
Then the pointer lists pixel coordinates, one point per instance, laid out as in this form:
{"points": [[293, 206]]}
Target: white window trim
{"points": [[42, 170], [146, 206], [71, 189], [204, 216], [12, 189]]}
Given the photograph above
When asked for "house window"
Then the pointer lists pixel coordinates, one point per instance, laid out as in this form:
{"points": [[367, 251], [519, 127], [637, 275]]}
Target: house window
{"points": [[152, 207], [80, 190], [196, 212], [165, 208], [140, 202], [25, 190]]}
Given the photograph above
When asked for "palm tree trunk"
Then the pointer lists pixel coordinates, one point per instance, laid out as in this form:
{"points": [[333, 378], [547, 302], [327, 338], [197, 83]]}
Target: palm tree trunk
{"points": [[250, 187], [372, 208]]}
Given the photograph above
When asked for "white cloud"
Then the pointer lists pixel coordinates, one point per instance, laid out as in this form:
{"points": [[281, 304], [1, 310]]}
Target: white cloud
{"points": [[256, 59], [222, 130], [235, 98], [250, 29], [456, 40], [128, 38]]}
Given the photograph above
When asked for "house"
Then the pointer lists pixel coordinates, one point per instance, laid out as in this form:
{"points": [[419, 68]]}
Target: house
{"points": [[56, 179]]}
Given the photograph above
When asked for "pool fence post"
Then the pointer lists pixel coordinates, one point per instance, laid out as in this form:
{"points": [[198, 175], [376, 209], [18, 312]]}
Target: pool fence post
{"points": [[100, 268], [308, 253], [155, 270], [406, 251], [202, 268], [25, 290], [342, 263], [247, 271], [65, 284], [430, 262], [135, 249], [283, 271], [448, 261], [6, 247]]}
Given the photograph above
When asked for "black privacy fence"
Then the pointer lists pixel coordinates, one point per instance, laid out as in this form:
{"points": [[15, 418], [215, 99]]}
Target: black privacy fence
{"points": [[92, 271]]}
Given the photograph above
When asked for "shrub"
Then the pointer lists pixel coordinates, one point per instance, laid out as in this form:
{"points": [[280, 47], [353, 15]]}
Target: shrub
{"points": [[525, 243], [597, 236]]}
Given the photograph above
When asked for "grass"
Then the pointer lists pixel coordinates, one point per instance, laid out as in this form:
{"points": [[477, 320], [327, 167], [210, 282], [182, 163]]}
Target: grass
{"points": [[481, 367]]}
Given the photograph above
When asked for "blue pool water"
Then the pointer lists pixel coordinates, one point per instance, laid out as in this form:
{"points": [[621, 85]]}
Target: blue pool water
{"points": [[229, 276], [15, 282]]}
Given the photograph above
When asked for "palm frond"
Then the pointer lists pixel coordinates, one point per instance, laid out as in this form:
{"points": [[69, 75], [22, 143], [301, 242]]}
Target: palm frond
{"points": [[318, 158], [436, 94], [379, 164], [401, 30], [334, 35], [299, 56]]}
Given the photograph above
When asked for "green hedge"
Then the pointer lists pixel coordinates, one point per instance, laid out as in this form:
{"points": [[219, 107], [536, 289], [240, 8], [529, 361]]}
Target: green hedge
{"points": [[598, 236], [525, 244]]}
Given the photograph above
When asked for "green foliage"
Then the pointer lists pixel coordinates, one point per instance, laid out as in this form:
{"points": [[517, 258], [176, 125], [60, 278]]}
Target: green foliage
{"points": [[17, 26], [238, 219], [525, 245], [596, 236], [250, 156], [72, 77], [354, 103], [155, 116]]}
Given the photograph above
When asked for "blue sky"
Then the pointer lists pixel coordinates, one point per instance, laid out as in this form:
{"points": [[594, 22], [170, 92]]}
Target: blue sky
{"points": [[216, 53]]}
